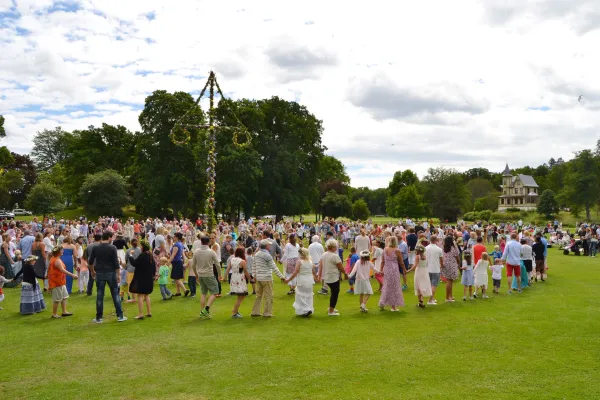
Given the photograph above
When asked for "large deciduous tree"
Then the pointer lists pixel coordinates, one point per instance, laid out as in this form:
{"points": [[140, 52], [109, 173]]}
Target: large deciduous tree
{"points": [[104, 193], [336, 205], [44, 199], [402, 179], [49, 148], [167, 175], [446, 192], [408, 202], [547, 204], [360, 210], [23, 164], [581, 186], [287, 138]]}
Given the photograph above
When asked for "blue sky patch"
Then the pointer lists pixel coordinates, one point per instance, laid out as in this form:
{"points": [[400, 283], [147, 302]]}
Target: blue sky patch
{"points": [[542, 108]]}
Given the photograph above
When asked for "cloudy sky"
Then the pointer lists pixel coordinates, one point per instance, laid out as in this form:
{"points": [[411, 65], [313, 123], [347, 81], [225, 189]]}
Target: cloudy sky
{"points": [[398, 85]]}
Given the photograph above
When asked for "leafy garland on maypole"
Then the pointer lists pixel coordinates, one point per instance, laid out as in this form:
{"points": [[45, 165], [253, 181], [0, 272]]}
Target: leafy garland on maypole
{"points": [[211, 142]]}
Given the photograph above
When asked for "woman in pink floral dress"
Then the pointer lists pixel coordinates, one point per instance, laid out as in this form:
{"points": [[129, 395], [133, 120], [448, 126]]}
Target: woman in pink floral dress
{"points": [[391, 265], [450, 269]]}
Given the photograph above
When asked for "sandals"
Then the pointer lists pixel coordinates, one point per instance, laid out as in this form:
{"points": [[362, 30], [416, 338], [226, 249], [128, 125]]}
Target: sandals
{"points": [[149, 315], [56, 316], [140, 318], [68, 314]]}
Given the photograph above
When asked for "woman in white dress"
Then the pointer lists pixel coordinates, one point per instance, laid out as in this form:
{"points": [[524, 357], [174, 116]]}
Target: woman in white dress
{"points": [[305, 277], [290, 258], [239, 279]]}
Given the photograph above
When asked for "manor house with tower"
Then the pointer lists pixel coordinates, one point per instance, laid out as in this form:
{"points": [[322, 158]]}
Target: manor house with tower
{"points": [[518, 191]]}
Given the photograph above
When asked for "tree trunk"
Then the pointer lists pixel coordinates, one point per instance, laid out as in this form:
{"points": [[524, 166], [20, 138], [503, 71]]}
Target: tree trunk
{"points": [[587, 213]]}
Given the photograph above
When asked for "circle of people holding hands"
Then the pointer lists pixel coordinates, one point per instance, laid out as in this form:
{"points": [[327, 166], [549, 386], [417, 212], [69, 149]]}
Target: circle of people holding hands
{"points": [[131, 257]]}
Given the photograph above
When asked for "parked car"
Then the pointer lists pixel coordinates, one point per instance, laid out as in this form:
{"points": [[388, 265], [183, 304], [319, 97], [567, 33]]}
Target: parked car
{"points": [[6, 214], [20, 211]]}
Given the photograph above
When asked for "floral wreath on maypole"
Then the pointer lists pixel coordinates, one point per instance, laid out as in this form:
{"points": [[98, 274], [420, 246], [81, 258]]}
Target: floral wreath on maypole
{"points": [[211, 140]]}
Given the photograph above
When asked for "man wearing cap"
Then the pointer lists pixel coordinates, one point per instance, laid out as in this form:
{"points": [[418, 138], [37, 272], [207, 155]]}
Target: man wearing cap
{"points": [[263, 267]]}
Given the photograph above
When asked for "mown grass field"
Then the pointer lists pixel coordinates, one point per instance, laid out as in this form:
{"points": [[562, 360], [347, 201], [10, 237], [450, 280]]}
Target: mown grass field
{"points": [[542, 344]]}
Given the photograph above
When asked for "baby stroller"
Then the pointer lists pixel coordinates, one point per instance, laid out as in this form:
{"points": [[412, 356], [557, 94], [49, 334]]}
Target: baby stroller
{"points": [[576, 247]]}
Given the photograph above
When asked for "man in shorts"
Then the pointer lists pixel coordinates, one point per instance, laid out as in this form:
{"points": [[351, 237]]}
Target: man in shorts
{"points": [[203, 262], [538, 253], [512, 259], [435, 263]]}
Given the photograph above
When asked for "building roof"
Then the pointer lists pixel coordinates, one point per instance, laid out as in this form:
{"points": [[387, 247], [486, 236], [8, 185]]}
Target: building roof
{"points": [[527, 180], [506, 171]]}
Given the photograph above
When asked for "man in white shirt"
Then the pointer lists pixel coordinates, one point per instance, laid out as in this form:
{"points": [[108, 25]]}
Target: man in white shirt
{"points": [[435, 262], [512, 259], [316, 251]]}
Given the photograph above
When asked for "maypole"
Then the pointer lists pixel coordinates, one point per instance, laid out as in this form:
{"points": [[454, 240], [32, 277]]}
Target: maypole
{"points": [[211, 142]]}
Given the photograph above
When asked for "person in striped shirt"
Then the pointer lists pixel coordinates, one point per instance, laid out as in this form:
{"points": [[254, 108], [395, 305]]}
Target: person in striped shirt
{"points": [[263, 267]]}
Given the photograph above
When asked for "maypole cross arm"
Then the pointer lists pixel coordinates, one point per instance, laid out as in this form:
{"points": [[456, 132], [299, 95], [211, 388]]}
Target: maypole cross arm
{"points": [[211, 142]]}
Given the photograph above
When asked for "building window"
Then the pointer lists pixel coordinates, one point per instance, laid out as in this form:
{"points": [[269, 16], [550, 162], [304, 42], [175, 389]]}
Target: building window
{"points": [[516, 191], [501, 201]]}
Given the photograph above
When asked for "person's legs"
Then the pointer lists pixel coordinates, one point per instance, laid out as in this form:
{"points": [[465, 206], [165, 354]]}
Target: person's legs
{"points": [[435, 280], [509, 274], [114, 291], [237, 305], [335, 291], [258, 301], [55, 307], [449, 289], [64, 306], [148, 304], [268, 293], [192, 285], [90, 286], [216, 273], [180, 286], [140, 304], [366, 298], [100, 286]]}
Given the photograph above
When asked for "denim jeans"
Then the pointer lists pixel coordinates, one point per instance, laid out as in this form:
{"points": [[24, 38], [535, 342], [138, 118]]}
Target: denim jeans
{"points": [[192, 285], [165, 293], [110, 279], [90, 286], [593, 248]]}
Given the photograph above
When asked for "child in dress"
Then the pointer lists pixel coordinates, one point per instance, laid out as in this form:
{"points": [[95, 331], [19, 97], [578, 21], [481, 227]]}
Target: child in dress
{"points": [[497, 274], [377, 257], [239, 278], [468, 277], [481, 275], [422, 280], [163, 279], [362, 270]]}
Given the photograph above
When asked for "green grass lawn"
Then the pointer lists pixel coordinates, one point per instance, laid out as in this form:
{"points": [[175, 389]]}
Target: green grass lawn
{"points": [[542, 344]]}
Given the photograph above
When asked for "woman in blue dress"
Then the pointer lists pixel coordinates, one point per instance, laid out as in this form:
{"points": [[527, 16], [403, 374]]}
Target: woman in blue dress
{"points": [[68, 258]]}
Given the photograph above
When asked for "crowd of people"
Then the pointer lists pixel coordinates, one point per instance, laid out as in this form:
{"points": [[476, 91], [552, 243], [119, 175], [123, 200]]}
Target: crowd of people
{"points": [[130, 257]]}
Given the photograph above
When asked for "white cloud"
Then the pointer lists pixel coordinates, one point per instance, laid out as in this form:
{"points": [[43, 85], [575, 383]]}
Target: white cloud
{"points": [[397, 84]]}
